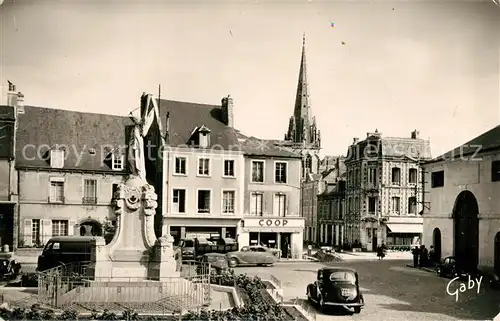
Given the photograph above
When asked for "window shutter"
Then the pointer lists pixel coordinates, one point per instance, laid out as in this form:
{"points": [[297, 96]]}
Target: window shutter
{"points": [[276, 205], [46, 230], [265, 203], [28, 230], [287, 204], [72, 228]]}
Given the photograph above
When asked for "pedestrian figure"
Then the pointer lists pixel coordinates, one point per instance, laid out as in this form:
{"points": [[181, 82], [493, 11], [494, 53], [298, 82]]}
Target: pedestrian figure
{"points": [[432, 255], [416, 253], [423, 256]]}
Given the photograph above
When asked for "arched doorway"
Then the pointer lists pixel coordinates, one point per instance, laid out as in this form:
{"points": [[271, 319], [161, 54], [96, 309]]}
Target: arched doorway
{"points": [[497, 253], [90, 227], [466, 230], [436, 237]]}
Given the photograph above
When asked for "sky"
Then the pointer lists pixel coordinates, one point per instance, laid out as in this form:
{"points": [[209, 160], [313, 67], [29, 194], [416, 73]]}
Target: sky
{"points": [[392, 66]]}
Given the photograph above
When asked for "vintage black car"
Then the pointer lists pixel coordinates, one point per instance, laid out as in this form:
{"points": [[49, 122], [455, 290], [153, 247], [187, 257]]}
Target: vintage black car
{"points": [[449, 267], [336, 287]]}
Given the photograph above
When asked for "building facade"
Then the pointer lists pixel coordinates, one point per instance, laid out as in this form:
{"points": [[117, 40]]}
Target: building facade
{"points": [[384, 190], [67, 165], [203, 171], [9, 209], [272, 198], [462, 212], [331, 205]]}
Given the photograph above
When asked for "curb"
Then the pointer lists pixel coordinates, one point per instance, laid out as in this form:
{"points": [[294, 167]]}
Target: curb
{"points": [[422, 268]]}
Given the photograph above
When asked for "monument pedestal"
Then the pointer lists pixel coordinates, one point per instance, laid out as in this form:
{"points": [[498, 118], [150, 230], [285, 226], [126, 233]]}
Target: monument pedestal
{"points": [[134, 253]]}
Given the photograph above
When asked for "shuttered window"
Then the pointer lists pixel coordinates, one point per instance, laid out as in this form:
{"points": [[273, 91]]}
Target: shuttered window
{"points": [[59, 228]]}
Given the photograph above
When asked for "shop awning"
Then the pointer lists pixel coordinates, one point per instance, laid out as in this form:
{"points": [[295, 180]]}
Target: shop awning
{"points": [[406, 228]]}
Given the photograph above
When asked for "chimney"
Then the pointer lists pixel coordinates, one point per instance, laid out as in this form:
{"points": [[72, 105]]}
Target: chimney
{"points": [[167, 128], [414, 134], [227, 111], [355, 140], [11, 95], [20, 103]]}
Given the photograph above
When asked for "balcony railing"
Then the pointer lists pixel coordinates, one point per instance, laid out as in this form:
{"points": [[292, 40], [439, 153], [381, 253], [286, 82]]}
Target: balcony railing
{"points": [[89, 200], [56, 200]]}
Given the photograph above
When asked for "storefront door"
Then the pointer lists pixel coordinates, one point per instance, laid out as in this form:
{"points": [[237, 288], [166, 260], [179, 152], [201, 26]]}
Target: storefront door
{"points": [[285, 245]]}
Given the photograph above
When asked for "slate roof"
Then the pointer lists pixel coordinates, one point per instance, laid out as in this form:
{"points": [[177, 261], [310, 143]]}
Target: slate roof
{"points": [[6, 113], [6, 131], [398, 147], [253, 146], [410, 147], [186, 116], [40, 129], [488, 141]]}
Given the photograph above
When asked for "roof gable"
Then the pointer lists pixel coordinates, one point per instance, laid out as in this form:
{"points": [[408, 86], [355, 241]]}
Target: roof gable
{"points": [[489, 140], [186, 116]]}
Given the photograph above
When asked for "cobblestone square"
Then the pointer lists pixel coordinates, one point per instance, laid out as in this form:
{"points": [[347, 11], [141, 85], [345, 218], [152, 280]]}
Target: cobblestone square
{"points": [[392, 291]]}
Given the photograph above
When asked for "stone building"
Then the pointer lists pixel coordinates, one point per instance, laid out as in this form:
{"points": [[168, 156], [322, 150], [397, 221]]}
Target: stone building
{"points": [[462, 209], [313, 186], [384, 190], [9, 208], [67, 165], [272, 197], [203, 171], [331, 205]]}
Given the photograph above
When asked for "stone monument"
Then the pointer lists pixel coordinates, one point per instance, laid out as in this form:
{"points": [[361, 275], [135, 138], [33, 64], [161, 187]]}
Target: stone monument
{"points": [[134, 252]]}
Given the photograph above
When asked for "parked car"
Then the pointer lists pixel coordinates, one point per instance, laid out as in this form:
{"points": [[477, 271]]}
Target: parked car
{"points": [[258, 255], [195, 248], [336, 287], [9, 268], [448, 267], [187, 249], [218, 263], [65, 249], [495, 281], [327, 249], [260, 248]]}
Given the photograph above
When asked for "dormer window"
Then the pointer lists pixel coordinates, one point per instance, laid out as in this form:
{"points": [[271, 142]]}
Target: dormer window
{"points": [[56, 158], [203, 140], [200, 137], [117, 161]]}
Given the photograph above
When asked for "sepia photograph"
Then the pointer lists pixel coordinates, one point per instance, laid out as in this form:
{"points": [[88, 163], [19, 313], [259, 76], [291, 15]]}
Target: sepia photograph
{"points": [[262, 160]]}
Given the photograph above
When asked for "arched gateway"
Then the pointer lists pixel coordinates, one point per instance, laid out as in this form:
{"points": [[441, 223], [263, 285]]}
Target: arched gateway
{"points": [[436, 236], [90, 227], [466, 230]]}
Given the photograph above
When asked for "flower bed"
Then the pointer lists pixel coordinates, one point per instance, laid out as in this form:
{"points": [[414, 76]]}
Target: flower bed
{"points": [[324, 257], [258, 305]]}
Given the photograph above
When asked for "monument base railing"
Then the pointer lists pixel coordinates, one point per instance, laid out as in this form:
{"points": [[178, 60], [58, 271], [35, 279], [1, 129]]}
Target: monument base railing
{"points": [[64, 288]]}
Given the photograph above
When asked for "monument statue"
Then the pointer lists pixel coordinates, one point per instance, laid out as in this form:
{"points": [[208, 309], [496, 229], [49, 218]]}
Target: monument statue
{"points": [[136, 161], [136, 266], [134, 250]]}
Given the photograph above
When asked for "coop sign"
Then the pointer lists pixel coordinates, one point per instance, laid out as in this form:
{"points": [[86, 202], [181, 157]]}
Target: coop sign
{"points": [[273, 222]]}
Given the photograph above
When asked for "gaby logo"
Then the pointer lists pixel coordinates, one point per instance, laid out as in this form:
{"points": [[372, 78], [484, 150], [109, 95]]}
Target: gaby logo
{"points": [[462, 287]]}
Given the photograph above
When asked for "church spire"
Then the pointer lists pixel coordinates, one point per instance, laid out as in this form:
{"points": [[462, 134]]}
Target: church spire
{"points": [[302, 115]]}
